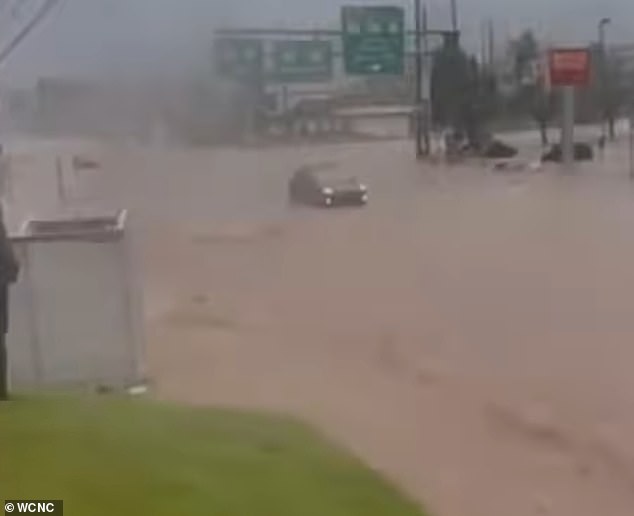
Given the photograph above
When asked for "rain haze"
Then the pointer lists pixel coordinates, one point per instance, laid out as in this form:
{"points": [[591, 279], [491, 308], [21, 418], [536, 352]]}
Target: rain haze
{"points": [[306, 272], [96, 37]]}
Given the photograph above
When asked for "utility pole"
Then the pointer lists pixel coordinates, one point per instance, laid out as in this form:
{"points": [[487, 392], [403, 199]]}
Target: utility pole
{"points": [[418, 96], [602, 74], [491, 41], [427, 69], [568, 127], [483, 44], [454, 15], [487, 43], [631, 140]]}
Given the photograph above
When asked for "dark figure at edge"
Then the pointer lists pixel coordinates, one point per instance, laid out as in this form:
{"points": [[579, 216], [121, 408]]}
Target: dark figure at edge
{"points": [[9, 270]]}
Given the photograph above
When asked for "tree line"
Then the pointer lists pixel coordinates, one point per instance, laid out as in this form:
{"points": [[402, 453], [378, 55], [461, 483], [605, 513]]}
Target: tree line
{"points": [[468, 96]]}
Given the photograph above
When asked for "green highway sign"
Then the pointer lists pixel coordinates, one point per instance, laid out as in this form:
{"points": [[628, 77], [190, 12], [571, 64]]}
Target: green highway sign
{"points": [[302, 61], [373, 40], [239, 58]]}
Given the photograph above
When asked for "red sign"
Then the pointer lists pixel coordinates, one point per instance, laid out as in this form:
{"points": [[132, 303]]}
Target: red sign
{"points": [[569, 67]]}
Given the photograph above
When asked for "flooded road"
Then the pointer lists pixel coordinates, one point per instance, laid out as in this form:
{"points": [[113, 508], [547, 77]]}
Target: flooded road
{"points": [[469, 333]]}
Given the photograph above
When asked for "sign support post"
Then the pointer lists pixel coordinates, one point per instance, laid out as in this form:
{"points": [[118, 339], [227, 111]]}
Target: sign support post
{"points": [[426, 86], [419, 82], [568, 127], [284, 99], [631, 138], [569, 68]]}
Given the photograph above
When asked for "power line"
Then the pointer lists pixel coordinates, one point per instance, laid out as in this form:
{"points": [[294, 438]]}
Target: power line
{"points": [[39, 16]]}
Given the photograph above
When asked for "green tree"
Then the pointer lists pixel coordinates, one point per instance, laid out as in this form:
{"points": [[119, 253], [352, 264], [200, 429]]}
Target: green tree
{"points": [[480, 101], [542, 107], [530, 98], [608, 92], [463, 95], [450, 83], [534, 101], [613, 92], [525, 50], [488, 94]]}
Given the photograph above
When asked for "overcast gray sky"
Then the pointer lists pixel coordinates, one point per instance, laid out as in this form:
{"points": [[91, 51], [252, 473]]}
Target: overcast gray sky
{"points": [[110, 36]]}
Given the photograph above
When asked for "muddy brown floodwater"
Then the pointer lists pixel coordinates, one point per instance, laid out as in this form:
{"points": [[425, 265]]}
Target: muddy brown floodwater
{"points": [[468, 334]]}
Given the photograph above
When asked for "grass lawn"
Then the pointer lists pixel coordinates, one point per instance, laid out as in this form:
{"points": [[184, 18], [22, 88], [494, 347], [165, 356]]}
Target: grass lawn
{"points": [[107, 456]]}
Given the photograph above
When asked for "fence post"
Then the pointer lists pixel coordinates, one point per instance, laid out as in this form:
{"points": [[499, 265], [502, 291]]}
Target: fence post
{"points": [[61, 185]]}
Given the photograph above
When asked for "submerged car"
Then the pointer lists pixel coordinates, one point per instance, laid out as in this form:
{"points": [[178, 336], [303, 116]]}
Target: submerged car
{"points": [[325, 186], [582, 152]]}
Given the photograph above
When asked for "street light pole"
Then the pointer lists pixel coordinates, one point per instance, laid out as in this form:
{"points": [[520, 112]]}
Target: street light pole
{"points": [[418, 97], [603, 23], [454, 15], [426, 86]]}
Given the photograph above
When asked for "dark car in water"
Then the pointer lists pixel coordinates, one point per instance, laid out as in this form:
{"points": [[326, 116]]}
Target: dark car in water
{"points": [[325, 186], [581, 152]]}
